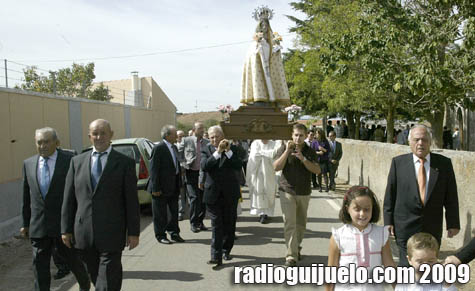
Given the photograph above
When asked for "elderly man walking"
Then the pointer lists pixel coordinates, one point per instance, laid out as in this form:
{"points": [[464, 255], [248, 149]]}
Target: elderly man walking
{"points": [[44, 176], [420, 185], [100, 213], [164, 185], [190, 148], [219, 162]]}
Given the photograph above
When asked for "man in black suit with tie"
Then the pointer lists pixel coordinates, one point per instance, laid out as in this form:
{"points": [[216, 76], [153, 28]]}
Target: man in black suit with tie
{"points": [[219, 162], [101, 213], [43, 188], [164, 185], [420, 185], [336, 152]]}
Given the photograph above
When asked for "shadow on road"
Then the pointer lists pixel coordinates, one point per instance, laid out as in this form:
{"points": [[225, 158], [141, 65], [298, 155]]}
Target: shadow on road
{"points": [[158, 275], [256, 261]]}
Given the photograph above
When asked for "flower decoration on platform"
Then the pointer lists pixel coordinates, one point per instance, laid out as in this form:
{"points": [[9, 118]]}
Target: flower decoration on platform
{"points": [[225, 111], [277, 38], [293, 111]]}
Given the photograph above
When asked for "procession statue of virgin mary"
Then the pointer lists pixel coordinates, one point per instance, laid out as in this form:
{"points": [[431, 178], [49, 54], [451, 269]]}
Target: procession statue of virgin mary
{"points": [[263, 78]]}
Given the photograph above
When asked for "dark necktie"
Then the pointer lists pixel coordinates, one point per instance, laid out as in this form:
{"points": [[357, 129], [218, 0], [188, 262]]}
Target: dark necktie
{"points": [[97, 170], [44, 178]]}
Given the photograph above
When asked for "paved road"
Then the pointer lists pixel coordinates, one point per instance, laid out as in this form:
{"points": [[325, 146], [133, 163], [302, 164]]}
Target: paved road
{"points": [[153, 266]]}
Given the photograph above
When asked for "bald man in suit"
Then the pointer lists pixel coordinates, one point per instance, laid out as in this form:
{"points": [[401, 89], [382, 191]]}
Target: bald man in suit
{"points": [[100, 213]]}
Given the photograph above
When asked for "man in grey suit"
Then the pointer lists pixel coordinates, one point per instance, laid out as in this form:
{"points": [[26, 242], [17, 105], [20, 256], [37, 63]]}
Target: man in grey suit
{"points": [[191, 147], [100, 213], [43, 187], [336, 152]]}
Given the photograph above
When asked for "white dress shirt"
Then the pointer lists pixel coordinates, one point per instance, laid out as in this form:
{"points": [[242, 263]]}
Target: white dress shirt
{"points": [[217, 155]]}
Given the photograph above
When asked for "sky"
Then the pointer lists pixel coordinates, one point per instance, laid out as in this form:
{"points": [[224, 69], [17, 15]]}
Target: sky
{"points": [[172, 36]]}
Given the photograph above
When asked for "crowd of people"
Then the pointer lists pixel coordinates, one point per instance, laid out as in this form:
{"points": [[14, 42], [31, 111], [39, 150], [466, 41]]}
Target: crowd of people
{"points": [[85, 209]]}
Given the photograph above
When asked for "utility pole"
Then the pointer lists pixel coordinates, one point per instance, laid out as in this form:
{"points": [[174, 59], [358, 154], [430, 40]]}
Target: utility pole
{"points": [[196, 106], [53, 75], [6, 74]]}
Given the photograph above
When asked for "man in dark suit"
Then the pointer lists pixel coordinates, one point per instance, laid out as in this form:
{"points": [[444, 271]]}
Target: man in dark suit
{"points": [[219, 162], [164, 185], [420, 185], [336, 152], [101, 213], [190, 148], [43, 187], [463, 256]]}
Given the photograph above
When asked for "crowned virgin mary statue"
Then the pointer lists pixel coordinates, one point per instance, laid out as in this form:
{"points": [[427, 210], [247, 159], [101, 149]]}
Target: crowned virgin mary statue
{"points": [[263, 78]]}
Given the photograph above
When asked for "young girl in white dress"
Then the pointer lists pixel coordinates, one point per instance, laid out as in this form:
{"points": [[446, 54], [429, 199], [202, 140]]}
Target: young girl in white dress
{"points": [[359, 241]]}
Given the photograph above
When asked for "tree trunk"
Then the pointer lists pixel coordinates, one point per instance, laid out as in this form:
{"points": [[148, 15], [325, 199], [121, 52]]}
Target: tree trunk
{"points": [[350, 122], [436, 121], [390, 123], [448, 118], [358, 124]]}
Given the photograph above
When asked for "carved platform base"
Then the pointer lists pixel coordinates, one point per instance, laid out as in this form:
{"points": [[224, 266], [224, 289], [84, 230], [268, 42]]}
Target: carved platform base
{"points": [[257, 122]]}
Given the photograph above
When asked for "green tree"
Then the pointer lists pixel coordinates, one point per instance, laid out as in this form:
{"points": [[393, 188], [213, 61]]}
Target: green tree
{"points": [[317, 81], [408, 48], [76, 81]]}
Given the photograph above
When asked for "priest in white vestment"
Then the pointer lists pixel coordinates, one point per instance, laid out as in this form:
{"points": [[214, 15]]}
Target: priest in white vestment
{"points": [[261, 179]]}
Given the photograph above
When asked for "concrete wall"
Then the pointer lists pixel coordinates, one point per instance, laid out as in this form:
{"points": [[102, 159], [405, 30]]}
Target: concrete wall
{"points": [[367, 163], [21, 113]]}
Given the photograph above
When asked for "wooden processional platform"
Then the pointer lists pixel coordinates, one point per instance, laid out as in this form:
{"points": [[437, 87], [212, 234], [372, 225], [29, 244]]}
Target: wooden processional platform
{"points": [[257, 122]]}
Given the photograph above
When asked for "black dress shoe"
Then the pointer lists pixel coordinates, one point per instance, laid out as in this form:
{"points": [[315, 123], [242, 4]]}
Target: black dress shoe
{"points": [[203, 227], [177, 238], [195, 229], [290, 263], [227, 257], [61, 274], [216, 264], [164, 241], [264, 219]]}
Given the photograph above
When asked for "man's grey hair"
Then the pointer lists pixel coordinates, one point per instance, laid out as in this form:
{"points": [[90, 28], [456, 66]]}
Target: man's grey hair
{"points": [[216, 128], [196, 124], [429, 132], [44, 130], [166, 130]]}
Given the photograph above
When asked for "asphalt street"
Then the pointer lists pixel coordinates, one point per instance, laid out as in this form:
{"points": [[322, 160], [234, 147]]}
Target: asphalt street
{"points": [[182, 266]]}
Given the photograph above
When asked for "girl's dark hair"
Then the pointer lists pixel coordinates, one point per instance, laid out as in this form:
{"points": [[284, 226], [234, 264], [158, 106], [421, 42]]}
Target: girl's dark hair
{"points": [[352, 193], [321, 135]]}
